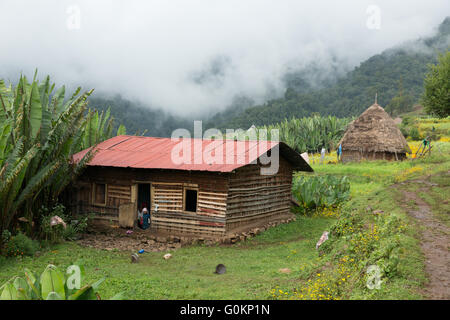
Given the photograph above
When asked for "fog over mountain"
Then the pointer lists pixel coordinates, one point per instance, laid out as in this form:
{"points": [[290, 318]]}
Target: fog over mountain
{"points": [[192, 57]]}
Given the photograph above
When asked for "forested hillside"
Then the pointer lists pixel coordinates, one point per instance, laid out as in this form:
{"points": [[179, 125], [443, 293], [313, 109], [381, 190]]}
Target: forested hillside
{"points": [[395, 72], [140, 119], [396, 75]]}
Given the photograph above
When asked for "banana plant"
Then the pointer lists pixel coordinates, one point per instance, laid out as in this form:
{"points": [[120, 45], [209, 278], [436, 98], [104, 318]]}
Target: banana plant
{"points": [[312, 133], [98, 127], [50, 285], [40, 131], [320, 191]]}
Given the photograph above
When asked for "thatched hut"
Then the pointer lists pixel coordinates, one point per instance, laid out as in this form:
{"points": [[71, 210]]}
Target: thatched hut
{"points": [[374, 135]]}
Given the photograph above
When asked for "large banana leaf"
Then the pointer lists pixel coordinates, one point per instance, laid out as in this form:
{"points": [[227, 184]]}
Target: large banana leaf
{"points": [[52, 280], [35, 110]]}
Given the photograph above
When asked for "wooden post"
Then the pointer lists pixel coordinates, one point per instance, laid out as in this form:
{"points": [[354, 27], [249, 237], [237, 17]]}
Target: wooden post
{"points": [[134, 192]]}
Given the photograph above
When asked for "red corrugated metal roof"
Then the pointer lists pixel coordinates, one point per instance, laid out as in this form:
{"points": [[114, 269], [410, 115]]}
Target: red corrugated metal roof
{"points": [[156, 153]]}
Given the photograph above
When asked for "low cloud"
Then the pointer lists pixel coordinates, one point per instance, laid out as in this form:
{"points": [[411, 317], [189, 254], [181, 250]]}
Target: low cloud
{"points": [[193, 57]]}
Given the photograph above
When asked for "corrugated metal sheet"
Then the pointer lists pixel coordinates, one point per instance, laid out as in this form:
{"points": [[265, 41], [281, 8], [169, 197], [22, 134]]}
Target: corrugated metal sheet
{"points": [[156, 153]]}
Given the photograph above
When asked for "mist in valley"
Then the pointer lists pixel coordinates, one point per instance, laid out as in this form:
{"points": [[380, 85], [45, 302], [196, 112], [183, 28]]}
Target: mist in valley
{"points": [[195, 58]]}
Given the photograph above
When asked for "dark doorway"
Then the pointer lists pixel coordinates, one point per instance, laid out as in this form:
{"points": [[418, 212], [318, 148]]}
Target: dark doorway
{"points": [[144, 196], [190, 199]]}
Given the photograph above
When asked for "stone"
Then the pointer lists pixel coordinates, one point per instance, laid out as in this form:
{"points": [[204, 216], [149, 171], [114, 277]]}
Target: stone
{"points": [[167, 256], [161, 239], [220, 269], [185, 241], [134, 258]]}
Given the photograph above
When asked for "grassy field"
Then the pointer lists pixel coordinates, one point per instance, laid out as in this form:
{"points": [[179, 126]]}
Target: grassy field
{"points": [[252, 266], [358, 239]]}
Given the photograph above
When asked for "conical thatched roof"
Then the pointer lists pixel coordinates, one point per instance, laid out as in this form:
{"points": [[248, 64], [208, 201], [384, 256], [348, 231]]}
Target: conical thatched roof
{"points": [[374, 130]]}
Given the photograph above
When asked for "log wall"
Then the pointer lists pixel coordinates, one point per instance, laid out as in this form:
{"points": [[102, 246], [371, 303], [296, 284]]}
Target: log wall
{"points": [[255, 199], [167, 191]]}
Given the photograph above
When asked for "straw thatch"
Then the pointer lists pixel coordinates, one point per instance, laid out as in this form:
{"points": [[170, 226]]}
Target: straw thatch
{"points": [[374, 133]]}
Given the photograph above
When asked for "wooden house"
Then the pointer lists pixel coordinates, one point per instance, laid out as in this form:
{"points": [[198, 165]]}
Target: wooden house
{"points": [[209, 198]]}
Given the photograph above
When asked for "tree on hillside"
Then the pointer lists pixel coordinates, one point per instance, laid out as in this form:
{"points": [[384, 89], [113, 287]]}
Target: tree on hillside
{"points": [[401, 103], [436, 98]]}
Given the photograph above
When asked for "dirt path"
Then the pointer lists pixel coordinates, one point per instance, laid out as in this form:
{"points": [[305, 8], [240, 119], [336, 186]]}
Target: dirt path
{"points": [[435, 242]]}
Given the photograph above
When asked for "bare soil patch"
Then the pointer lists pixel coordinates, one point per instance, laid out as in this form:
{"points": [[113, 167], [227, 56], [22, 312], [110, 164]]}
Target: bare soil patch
{"points": [[106, 236], [435, 239], [110, 237]]}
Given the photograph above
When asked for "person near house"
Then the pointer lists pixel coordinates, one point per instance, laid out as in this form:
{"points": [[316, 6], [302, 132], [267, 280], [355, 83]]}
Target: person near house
{"points": [[322, 155], [145, 218], [339, 152], [140, 217]]}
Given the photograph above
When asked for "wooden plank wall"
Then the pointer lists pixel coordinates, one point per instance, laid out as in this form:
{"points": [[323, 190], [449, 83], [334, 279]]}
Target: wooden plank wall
{"points": [[167, 191], [209, 220], [167, 197], [118, 194], [81, 201], [254, 198]]}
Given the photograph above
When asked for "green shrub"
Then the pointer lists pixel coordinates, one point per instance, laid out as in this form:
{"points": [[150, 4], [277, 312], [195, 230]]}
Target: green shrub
{"points": [[6, 235], [75, 228], [20, 245], [48, 232], [415, 134], [320, 191], [58, 233], [404, 130]]}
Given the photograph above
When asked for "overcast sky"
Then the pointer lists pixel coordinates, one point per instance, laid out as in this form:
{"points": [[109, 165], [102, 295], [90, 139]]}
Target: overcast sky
{"points": [[191, 56]]}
